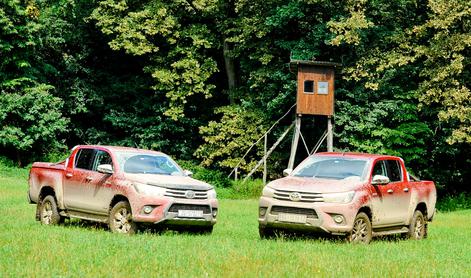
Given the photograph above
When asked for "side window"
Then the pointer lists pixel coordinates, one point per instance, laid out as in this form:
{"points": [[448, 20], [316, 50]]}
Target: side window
{"points": [[101, 157], [379, 169], [84, 159], [394, 170]]}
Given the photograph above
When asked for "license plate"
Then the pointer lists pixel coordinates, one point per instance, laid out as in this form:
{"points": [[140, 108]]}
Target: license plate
{"points": [[190, 213], [293, 218]]}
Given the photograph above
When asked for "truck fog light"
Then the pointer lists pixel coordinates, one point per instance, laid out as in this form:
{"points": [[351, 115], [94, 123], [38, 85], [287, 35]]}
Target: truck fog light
{"points": [[148, 209], [262, 211], [215, 212], [338, 219]]}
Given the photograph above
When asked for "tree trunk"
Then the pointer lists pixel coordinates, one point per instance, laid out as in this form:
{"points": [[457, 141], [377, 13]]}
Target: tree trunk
{"points": [[231, 70], [18, 159]]}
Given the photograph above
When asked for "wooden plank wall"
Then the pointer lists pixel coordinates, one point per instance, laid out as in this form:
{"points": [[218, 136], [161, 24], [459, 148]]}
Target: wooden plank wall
{"points": [[315, 104]]}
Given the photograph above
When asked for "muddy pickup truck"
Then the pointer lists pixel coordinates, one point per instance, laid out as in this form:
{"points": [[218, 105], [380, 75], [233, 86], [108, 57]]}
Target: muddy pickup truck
{"points": [[355, 195], [123, 187]]}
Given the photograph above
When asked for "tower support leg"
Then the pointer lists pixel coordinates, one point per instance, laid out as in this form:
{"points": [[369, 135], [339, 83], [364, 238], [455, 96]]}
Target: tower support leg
{"points": [[294, 143], [330, 135]]}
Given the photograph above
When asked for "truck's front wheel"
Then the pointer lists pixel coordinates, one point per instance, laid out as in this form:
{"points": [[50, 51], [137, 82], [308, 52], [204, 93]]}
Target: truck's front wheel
{"points": [[362, 231], [121, 219], [48, 213]]}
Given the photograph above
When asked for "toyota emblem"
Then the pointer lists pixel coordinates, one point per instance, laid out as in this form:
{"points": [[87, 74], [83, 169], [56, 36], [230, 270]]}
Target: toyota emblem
{"points": [[295, 196], [190, 194]]}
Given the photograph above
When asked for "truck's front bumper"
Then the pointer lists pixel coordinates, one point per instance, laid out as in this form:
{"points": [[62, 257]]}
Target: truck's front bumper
{"points": [[306, 216], [168, 211]]}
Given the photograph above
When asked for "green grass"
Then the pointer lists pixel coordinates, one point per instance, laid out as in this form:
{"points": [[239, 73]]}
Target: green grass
{"points": [[233, 250]]}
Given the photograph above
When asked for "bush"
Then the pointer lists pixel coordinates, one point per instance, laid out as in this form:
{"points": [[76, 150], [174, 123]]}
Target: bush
{"points": [[213, 177], [454, 202]]}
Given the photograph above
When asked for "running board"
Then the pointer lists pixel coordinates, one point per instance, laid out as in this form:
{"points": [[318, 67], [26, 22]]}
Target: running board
{"points": [[391, 232], [85, 216]]}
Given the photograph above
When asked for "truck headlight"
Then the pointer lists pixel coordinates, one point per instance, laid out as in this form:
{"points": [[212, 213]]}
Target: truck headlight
{"points": [[212, 194], [150, 190], [268, 191], [344, 197]]}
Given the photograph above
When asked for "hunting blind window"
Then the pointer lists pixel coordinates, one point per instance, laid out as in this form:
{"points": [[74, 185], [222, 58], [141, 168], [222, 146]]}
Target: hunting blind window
{"points": [[322, 87], [308, 87]]}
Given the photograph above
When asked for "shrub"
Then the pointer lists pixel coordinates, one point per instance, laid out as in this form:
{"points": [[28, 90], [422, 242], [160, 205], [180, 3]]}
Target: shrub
{"points": [[213, 177], [454, 202]]}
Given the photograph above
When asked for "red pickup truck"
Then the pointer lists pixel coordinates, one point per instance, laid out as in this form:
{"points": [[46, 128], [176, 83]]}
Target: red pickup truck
{"points": [[357, 195], [122, 187]]}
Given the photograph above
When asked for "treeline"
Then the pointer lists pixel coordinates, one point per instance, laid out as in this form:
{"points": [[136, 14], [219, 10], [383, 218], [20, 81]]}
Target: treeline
{"points": [[203, 79]]}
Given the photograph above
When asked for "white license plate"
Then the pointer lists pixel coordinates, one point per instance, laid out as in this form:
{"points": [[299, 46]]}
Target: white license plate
{"points": [[190, 213], [293, 218]]}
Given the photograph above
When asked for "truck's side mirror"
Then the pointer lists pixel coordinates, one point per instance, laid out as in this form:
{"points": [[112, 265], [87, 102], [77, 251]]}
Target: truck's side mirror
{"points": [[188, 173], [287, 172], [105, 169], [379, 180]]}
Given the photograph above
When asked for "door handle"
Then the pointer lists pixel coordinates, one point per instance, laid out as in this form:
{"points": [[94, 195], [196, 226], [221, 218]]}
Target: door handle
{"points": [[68, 175], [87, 179], [406, 189], [390, 191]]}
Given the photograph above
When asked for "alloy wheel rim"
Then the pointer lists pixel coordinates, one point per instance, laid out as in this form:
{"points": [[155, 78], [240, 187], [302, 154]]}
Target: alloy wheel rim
{"points": [[360, 232], [47, 213], [419, 226], [121, 221]]}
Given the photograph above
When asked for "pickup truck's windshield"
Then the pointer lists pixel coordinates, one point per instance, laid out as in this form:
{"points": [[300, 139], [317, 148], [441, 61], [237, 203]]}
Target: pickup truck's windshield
{"points": [[147, 163], [332, 168]]}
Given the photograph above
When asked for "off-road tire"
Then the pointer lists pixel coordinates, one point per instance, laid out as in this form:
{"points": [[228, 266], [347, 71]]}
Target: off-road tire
{"points": [[120, 219], [266, 233], [204, 230], [48, 213], [417, 226], [361, 231]]}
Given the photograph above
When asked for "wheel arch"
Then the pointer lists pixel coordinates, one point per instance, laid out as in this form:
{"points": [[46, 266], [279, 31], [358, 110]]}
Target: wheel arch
{"points": [[45, 191], [367, 210], [422, 207], [116, 199]]}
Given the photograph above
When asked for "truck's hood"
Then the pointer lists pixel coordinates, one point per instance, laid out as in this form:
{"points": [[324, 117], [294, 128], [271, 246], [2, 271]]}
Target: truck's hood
{"points": [[315, 185], [172, 182]]}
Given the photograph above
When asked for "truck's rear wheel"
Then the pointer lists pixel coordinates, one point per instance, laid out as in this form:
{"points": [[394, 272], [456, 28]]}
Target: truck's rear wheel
{"points": [[418, 226], [362, 231], [121, 219], [48, 213]]}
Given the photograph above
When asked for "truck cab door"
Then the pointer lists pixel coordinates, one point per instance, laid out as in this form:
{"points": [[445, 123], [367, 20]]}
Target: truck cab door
{"points": [[76, 177], [100, 190], [390, 202]]}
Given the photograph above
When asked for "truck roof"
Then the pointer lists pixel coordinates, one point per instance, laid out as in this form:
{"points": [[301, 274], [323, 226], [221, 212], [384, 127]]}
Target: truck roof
{"points": [[116, 148], [356, 155]]}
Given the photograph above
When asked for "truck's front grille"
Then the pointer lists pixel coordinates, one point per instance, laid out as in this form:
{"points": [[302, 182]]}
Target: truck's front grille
{"points": [[176, 207], [303, 196], [294, 210], [187, 194]]}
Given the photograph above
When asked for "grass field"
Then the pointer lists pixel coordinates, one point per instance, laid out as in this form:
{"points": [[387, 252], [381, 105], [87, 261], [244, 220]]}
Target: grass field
{"points": [[233, 250]]}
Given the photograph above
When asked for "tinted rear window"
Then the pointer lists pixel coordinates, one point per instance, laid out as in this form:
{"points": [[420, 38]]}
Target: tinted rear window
{"points": [[394, 170]]}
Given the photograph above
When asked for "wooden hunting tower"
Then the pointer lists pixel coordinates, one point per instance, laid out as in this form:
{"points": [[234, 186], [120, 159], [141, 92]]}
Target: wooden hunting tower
{"points": [[315, 96]]}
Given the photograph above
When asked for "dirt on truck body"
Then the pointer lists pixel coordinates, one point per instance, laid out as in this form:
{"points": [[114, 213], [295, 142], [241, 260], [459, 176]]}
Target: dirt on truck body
{"points": [[357, 195], [123, 187]]}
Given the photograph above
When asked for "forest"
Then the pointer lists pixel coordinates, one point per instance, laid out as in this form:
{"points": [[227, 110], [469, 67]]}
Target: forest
{"points": [[202, 80]]}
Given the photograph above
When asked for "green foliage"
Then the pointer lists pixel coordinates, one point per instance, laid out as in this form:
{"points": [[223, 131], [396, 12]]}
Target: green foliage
{"points": [[438, 50], [30, 116], [181, 67], [461, 201], [213, 177], [227, 141]]}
